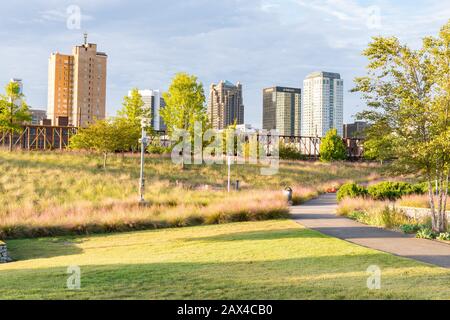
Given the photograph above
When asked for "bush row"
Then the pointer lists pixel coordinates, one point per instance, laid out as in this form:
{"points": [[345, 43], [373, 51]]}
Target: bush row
{"points": [[381, 191]]}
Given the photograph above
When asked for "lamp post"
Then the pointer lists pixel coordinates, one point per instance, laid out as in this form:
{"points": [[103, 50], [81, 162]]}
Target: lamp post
{"points": [[144, 141], [229, 173]]}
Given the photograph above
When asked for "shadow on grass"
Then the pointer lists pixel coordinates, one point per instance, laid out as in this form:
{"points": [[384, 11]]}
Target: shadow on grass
{"points": [[29, 249], [290, 233], [327, 277]]}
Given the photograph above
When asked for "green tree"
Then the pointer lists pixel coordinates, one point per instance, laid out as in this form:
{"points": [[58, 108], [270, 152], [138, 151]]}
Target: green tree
{"points": [[408, 93], [133, 108], [332, 147], [378, 145], [129, 119], [13, 111], [102, 136], [127, 134], [185, 104]]}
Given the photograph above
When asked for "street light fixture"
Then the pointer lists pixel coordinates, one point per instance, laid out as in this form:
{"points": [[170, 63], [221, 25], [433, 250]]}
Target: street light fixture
{"points": [[144, 141]]}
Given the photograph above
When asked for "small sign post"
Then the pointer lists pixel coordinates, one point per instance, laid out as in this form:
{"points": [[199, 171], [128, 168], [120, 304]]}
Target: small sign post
{"points": [[229, 173]]}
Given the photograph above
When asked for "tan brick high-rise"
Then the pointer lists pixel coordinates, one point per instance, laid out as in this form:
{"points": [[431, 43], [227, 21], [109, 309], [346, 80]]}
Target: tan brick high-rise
{"points": [[77, 86], [225, 105]]}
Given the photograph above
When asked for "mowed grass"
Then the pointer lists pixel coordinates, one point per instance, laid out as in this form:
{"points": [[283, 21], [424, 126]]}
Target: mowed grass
{"points": [[59, 193], [249, 260]]}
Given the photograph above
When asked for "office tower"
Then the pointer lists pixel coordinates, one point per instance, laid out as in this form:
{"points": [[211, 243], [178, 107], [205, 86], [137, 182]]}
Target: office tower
{"points": [[77, 85], [282, 110], [225, 105], [323, 104], [153, 101], [355, 130]]}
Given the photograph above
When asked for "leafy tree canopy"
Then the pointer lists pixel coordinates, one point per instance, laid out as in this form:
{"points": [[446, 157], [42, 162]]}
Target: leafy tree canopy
{"points": [[185, 104], [408, 94], [13, 110], [332, 147]]}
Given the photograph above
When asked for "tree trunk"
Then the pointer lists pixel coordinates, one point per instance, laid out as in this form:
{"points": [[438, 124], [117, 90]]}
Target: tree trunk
{"points": [[431, 200], [440, 220], [440, 199], [10, 141], [445, 196]]}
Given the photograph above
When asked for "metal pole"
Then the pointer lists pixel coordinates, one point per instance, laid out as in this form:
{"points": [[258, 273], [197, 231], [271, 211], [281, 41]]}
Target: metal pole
{"points": [[229, 173], [142, 179]]}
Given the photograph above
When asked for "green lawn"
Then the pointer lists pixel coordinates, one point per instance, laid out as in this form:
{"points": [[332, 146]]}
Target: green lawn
{"points": [[251, 260]]}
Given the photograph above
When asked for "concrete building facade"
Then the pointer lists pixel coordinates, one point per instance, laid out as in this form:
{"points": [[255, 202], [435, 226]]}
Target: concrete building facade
{"points": [[225, 105], [37, 115], [323, 104], [282, 110], [153, 101], [77, 85]]}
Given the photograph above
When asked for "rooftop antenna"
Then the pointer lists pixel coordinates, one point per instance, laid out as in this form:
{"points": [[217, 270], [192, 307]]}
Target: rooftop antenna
{"points": [[85, 38]]}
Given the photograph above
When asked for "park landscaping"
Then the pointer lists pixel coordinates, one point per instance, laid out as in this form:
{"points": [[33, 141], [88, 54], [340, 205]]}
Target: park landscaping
{"points": [[248, 260], [54, 194], [386, 205]]}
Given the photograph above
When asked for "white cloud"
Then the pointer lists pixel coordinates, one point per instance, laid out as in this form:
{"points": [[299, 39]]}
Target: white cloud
{"points": [[258, 42], [60, 15]]}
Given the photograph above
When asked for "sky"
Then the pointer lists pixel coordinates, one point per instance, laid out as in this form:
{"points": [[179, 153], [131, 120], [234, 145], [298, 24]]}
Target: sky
{"points": [[260, 43]]}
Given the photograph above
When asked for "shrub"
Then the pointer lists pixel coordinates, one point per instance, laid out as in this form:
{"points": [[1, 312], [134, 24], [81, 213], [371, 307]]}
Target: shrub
{"points": [[411, 228], [444, 236], [158, 149], [393, 190], [426, 233], [288, 152], [351, 190], [332, 147]]}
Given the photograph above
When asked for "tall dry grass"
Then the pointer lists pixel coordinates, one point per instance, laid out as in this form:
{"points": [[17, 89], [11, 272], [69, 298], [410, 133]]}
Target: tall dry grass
{"points": [[118, 216], [54, 193], [372, 212], [417, 201]]}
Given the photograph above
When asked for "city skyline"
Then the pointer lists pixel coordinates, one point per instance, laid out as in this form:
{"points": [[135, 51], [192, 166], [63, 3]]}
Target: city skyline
{"points": [[211, 40]]}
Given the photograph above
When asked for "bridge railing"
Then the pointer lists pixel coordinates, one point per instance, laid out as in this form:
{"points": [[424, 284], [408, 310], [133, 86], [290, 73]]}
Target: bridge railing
{"points": [[37, 137]]}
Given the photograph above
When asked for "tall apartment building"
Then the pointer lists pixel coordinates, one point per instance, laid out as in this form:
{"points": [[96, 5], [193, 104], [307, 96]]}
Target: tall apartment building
{"points": [[153, 101], [77, 85], [225, 105], [282, 110], [323, 104]]}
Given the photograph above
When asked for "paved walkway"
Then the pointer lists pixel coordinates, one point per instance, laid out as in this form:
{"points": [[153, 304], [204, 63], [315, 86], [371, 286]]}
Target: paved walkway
{"points": [[319, 215]]}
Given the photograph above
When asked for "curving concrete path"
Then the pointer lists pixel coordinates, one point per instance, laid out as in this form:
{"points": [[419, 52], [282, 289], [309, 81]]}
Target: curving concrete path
{"points": [[319, 214]]}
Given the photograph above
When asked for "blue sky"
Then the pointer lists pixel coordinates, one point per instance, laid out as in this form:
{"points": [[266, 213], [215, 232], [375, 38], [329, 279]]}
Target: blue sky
{"points": [[260, 43]]}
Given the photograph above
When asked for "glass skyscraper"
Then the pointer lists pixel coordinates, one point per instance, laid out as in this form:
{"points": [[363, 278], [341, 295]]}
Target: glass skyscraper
{"points": [[282, 110]]}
